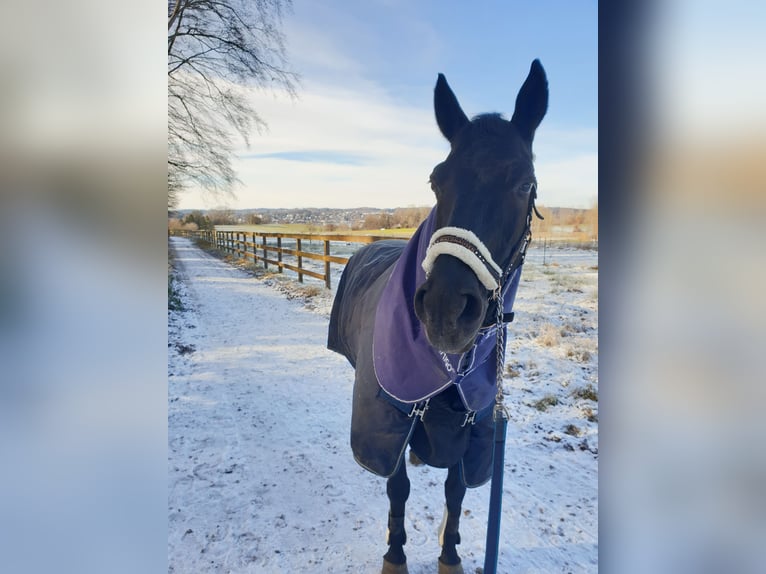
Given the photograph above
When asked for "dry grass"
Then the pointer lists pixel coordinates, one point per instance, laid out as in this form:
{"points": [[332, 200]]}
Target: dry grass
{"points": [[549, 335], [590, 415], [572, 430], [588, 393], [175, 303], [566, 283], [547, 401], [573, 327], [309, 291], [579, 355], [511, 372]]}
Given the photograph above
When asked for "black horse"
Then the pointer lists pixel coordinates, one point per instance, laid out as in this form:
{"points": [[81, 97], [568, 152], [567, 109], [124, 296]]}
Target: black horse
{"points": [[421, 329]]}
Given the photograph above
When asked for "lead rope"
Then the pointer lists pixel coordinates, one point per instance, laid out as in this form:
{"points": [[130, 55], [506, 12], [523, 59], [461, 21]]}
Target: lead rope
{"points": [[501, 416], [500, 409]]}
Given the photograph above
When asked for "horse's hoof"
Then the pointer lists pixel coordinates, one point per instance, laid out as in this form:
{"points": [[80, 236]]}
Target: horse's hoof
{"points": [[389, 568], [450, 568]]}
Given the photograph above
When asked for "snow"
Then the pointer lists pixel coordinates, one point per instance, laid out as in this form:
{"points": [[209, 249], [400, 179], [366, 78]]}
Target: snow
{"points": [[260, 473]]}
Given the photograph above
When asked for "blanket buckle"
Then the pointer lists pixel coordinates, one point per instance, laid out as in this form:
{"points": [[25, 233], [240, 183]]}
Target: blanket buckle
{"points": [[419, 412]]}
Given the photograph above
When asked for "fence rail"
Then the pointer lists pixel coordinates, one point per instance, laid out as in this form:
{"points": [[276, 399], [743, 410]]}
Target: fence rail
{"points": [[265, 246]]}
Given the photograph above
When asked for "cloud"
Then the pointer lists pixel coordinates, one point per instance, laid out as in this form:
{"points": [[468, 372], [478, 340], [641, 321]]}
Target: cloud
{"points": [[321, 156]]}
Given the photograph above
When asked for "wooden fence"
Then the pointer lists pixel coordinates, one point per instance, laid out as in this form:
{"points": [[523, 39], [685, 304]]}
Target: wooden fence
{"points": [[262, 246]]}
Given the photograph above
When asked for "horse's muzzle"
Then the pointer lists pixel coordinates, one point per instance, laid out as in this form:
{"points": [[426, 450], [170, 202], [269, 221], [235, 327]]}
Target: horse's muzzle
{"points": [[451, 305]]}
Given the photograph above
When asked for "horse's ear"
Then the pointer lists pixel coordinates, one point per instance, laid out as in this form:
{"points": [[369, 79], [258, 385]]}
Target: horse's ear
{"points": [[532, 102], [449, 115]]}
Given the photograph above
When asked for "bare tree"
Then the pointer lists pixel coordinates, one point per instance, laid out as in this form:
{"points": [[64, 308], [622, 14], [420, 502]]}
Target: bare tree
{"points": [[591, 221], [409, 216], [217, 49], [542, 227]]}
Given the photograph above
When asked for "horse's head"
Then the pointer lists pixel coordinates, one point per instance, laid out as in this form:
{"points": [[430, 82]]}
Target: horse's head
{"points": [[485, 190]]}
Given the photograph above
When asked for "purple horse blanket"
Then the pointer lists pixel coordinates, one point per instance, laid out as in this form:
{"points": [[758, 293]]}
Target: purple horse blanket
{"points": [[406, 365]]}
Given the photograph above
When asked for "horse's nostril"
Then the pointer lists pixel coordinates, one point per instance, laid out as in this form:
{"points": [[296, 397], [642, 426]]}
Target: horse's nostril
{"points": [[472, 309]]}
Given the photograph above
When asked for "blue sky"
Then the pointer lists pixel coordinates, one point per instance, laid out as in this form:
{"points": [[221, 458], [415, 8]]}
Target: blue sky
{"points": [[362, 132]]}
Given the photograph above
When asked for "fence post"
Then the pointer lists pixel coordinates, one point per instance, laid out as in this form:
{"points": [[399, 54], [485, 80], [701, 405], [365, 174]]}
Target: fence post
{"points": [[265, 256], [279, 252], [299, 247], [255, 249], [327, 282]]}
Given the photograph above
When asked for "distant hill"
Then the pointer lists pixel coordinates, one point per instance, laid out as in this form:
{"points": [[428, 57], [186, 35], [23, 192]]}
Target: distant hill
{"points": [[323, 215]]}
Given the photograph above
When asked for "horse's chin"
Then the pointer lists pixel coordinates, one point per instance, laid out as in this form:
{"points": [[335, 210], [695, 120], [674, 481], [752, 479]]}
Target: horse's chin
{"points": [[450, 343]]}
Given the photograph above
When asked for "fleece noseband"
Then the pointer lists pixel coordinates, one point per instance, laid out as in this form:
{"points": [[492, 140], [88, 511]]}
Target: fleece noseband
{"points": [[466, 246]]}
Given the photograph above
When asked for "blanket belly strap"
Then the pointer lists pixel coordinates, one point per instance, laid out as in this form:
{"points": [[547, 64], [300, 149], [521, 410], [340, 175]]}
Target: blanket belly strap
{"points": [[418, 410]]}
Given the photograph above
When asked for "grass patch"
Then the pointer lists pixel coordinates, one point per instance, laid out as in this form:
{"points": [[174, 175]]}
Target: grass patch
{"points": [[588, 393], [579, 355], [312, 291], [547, 401], [549, 335], [174, 298], [574, 327], [566, 283], [511, 372], [572, 430], [175, 303], [299, 291], [589, 415]]}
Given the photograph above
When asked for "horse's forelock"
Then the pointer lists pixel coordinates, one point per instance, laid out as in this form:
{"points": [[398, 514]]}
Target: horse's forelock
{"points": [[492, 123]]}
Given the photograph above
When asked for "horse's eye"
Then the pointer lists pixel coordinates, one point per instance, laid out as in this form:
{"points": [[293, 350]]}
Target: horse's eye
{"points": [[528, 187]]}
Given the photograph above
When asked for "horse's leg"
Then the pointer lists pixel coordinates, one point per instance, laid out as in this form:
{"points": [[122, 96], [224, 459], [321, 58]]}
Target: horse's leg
{"points": [[398, 490], [454, 492]]}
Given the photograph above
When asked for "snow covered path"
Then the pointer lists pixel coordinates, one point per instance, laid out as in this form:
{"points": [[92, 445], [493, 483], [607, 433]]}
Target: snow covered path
{"points": [[261, 476]]}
